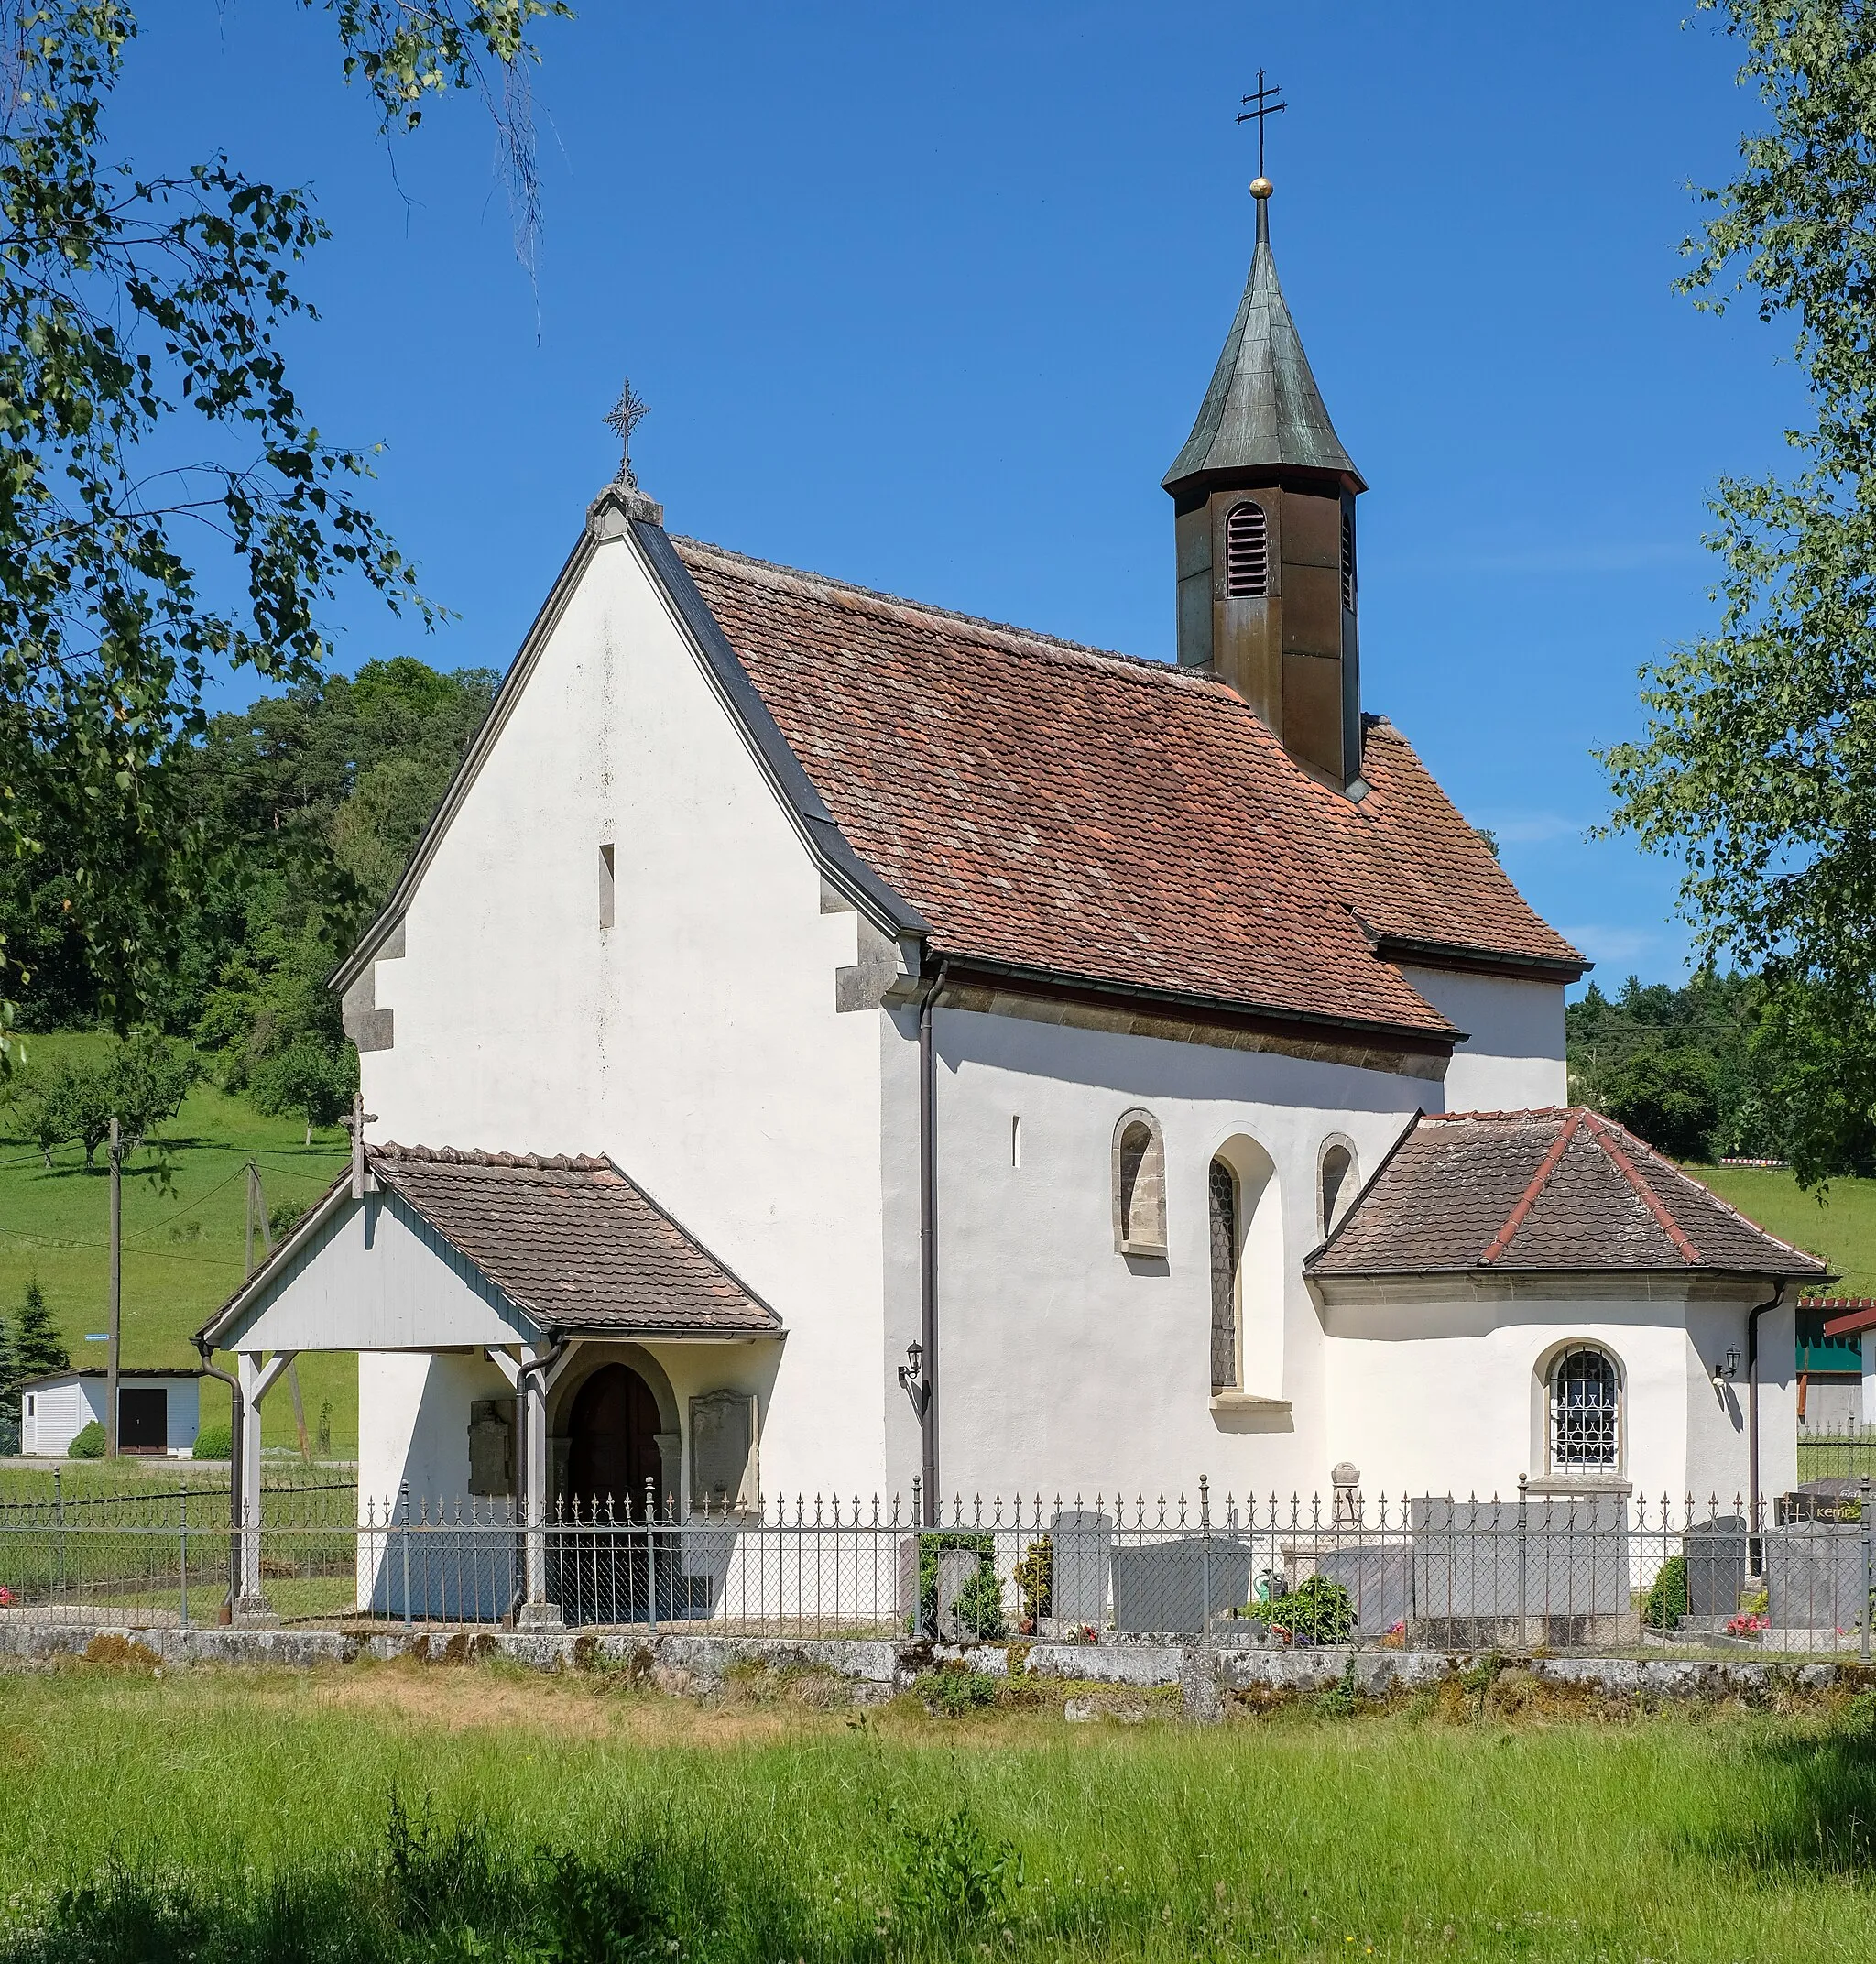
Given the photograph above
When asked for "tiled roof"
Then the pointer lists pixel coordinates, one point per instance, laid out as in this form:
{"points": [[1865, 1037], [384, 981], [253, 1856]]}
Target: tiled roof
{"points": [[574, 1242], [1127, 823], [1542, 1191]]}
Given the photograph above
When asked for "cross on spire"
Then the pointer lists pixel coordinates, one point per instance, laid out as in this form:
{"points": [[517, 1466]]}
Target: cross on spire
{"points": [[625, 416], [1258, 109]]}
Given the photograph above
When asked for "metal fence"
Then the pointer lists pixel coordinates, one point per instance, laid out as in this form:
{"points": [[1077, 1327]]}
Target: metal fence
{"points": [[1842, 1453], [1584, 1571]]}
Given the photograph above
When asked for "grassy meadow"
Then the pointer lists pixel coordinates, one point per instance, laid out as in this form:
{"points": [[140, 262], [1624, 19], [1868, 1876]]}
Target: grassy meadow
{"points": [[368, 1813], [184, 1239], [1841, 1226]]}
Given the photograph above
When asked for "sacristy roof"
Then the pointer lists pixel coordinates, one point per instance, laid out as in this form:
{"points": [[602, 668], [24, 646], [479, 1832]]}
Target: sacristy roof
{"points": [[1556, 1191]]}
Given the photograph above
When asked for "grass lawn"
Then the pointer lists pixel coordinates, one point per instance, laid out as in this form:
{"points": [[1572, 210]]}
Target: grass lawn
{"points": [[184, 1240], [222, 1816], [1841, 1227]]}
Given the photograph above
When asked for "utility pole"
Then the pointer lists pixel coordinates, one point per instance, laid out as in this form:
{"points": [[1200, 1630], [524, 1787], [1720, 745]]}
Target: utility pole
{"points": [[257, 1215], [116, 1294]]}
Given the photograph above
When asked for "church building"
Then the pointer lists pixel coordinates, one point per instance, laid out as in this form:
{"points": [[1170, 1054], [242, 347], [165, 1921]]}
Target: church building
{"points": [[824, 1042]]}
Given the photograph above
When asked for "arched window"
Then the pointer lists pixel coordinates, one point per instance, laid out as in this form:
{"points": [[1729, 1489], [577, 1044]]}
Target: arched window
{"points": [[1347, 559], [1247, 552], [1336, 1187], [1224, 1185], [1140, 1185], [1584, 1395]]}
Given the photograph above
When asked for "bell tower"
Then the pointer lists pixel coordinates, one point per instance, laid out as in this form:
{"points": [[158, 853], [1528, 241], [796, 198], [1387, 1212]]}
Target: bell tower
{"points": [[1263, 501]]}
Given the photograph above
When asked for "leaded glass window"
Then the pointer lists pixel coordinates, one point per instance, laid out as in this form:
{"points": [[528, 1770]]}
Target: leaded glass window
{"points": [[1224, 1184], [1584, 1397]]}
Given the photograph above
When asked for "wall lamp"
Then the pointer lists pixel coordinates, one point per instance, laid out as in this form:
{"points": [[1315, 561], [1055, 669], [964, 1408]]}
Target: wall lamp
{"points": [[912, 1375], [1727, 1370]]}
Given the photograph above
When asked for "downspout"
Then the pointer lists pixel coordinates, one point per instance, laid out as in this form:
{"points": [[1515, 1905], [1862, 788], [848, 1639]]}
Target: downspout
{"points": [[206, 1350], [928, 1246], [1753, 1317]]}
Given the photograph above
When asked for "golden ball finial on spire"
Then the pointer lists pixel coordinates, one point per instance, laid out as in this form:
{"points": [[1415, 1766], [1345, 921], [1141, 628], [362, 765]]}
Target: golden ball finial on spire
{"points": [[1261, 187]]}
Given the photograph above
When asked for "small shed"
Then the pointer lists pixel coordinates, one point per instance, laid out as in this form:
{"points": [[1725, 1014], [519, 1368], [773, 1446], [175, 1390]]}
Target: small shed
{"points": [[158, 1412]]}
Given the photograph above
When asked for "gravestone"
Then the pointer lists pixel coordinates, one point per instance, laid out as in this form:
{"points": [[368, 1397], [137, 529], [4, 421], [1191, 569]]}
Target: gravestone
{"points": [[1716, 1567], [958, 1570], [1378, 1577], [1813, 1575], [1485, 1571], [492, 1446], [1175, 1588], [722, 1449], [1079, 1543]]}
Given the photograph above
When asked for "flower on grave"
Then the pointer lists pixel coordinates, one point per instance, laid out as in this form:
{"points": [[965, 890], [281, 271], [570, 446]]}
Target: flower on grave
{"points": [[5, 1598]]}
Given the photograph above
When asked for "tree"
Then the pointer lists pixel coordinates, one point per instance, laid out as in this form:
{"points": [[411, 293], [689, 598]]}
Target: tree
{"points": [[37, 1349], [309, 1079], [140, 1083], [1667, 1097], [141, 321], [1760, 753]]}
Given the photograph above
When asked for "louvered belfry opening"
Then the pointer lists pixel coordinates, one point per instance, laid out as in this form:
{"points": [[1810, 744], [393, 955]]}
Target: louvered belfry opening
{"points": [[1247, 552], [1347, 559]]}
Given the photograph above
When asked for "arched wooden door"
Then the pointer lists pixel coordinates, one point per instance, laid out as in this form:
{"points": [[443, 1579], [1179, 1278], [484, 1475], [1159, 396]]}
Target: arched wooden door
{"points": [[612, 1445]]}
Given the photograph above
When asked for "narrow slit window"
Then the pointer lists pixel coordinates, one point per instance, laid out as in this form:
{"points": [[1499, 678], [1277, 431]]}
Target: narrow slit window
{"points": [[1016, 1138], [605, 886], [1223, 1251], [1247, 552], [1347, 559]]}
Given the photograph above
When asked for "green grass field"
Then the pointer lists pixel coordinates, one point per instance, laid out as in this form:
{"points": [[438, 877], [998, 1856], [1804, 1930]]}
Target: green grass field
{"points": [[1841, 1226], [223, 1817], [185, 1239]]}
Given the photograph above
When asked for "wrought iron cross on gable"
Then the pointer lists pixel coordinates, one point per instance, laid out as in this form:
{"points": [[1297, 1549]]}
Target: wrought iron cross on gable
{"points": [[1258, 109], [628, 413]]}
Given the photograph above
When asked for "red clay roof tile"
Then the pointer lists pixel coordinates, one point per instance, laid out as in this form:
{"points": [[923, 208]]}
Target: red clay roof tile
{"points": [[1545, 1191], [1055, 807]]}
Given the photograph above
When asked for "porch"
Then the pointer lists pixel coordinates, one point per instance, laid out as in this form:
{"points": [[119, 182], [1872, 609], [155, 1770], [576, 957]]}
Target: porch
{"points": [[541, 1345]]}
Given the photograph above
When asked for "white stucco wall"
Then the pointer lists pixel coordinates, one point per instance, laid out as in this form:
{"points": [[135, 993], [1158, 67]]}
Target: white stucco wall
{"points": [[1067, 1365], [1512, 1059], [1440, 1386], [697, 1039]]}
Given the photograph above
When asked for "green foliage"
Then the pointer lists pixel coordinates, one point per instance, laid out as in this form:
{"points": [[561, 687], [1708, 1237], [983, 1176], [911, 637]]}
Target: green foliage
{"points": [[1668, 1596], [1761, 744], [952, 1691], [1034, 1575], [1722, 1067], [38, 1350], [307, 1080], [214, 1442], [1343, 1699], [949, 1874], [88, 1443], [141, 1083], [153, 453], [979, 1606], [1318, 1610], [323, 794]]}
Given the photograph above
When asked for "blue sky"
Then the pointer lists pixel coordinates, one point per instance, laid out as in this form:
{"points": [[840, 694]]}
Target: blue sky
{"points": [[928, 298]]}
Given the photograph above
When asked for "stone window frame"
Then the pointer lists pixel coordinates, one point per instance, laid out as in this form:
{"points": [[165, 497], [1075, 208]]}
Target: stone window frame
{"points": [[1346, 1193], [1139, 1204]]}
